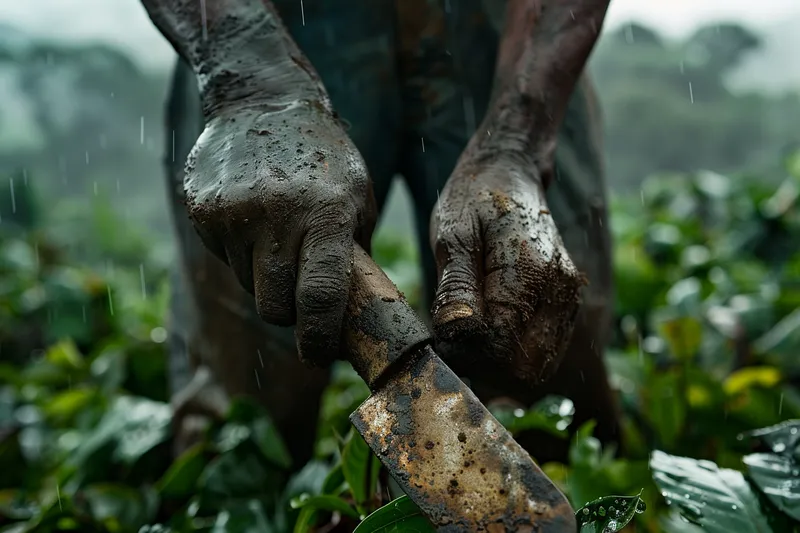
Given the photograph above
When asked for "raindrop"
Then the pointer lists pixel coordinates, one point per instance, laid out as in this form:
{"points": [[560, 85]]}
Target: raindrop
{"points": [[204, 19], [141, 279], [13, 200], [601, 511]]}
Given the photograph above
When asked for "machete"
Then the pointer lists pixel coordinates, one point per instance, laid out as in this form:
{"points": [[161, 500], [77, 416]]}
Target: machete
{"points": [[437, 440]]}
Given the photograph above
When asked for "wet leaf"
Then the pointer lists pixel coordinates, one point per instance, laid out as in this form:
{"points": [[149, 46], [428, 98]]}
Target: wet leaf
{"points": [[717, 499], [132, 427], [778, 477], [609, 514], [781, 439], [400, 515], [324, 502]]}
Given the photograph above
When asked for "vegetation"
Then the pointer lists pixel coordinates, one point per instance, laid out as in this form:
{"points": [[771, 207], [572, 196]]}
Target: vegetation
{"points": [[705, 356]]}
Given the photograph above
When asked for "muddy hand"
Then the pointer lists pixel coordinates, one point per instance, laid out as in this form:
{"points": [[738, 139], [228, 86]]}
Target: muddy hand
{"points": [[508, 292], [280, 194]]}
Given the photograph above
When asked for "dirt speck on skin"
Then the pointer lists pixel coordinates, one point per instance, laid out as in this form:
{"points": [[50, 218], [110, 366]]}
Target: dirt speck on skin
{"points": [[502, 202]]}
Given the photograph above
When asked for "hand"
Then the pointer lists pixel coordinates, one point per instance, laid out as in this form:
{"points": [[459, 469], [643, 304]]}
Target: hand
{"points": [[280, 195], [508, 291]]}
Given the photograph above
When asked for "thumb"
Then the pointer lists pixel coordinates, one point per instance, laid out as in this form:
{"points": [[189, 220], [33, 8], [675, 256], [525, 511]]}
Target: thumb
{"points": [[458, 303]]}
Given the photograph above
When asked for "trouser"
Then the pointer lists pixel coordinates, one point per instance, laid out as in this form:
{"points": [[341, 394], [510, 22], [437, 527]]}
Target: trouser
{"points": [[412, 79]]}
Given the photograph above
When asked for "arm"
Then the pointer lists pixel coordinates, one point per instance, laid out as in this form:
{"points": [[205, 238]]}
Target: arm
{"points": [[508, 291], [274, 187], [542, 54], [240, 52]]}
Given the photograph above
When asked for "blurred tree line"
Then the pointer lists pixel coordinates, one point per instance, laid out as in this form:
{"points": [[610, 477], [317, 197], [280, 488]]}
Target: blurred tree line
{"points": [[668, 107], [85, 121]]}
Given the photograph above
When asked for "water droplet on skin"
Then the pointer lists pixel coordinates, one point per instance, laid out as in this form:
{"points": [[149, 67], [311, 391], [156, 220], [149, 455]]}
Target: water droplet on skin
{"points": [[734, 507], [601, 511], [779, 447]]}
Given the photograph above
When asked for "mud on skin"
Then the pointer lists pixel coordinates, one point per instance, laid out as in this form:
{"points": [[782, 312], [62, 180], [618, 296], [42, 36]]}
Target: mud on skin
{"points": [[274, 186], [509, 292]]}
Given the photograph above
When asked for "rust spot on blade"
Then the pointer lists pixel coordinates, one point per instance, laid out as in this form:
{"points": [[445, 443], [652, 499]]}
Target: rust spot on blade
{"points": [[453, 458]]}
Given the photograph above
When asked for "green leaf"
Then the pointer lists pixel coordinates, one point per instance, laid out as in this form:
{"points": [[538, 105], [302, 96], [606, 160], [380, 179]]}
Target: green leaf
{"points": [[333, 481], [239, 473], [324, 502], [666, 409], [65, 355], [243, 517], [552, 414], [132, 427], [306, 520], [309, 480], [609, 514], [67, 404], [717, 499], [400, 515], [356, 462], [782, 343], [781, 439], [269, 440], [120, 507], [778, 477], [262, 430], [180, 479]]}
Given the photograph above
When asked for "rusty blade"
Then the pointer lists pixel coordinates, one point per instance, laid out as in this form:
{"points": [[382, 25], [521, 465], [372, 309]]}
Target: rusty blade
{"points": [[453, 458]]}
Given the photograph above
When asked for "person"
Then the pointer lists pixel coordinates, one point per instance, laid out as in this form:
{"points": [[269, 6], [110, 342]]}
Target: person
{"points": [[293, 117]]}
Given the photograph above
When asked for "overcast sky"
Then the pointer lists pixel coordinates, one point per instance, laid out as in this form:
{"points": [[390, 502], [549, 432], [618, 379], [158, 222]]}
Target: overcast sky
{"points": [[124, 21]]}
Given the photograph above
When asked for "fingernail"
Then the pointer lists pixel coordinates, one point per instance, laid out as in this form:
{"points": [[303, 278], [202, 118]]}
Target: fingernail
{"points": [[453, 311]]}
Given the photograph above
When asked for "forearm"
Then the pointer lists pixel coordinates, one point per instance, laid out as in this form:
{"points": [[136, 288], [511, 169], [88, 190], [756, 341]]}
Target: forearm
{"points": [[543, 52], [239, 50]]}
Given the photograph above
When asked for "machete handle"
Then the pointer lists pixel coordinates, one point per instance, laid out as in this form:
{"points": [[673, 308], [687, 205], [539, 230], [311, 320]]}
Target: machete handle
{"points": [[380, 327]]}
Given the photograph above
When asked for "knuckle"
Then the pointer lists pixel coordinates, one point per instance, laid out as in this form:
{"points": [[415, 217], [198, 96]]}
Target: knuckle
{"points": [[321, 293]]}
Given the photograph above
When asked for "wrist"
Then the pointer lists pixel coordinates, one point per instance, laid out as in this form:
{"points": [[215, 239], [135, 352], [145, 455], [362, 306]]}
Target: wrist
{"points": [[240, 52], [509, 136], [246, 79]]}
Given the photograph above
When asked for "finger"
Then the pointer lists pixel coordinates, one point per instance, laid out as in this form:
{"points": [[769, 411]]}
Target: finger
{"points": [[274, 278], [323, 284], [457, 306], [210, 237], [240, 259], [366, 221]]}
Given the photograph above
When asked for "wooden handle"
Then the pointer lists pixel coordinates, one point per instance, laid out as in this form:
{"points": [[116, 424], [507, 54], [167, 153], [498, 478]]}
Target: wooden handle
{"points": [[380, 327]]}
